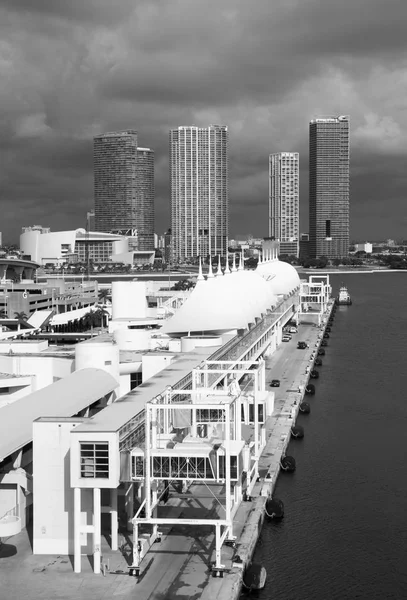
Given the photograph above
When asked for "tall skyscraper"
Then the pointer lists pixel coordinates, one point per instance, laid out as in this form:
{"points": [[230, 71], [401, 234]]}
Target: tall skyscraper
{"points": [[124, 187], [284, 175], [199, 191], [329, 187], [144, 222]]}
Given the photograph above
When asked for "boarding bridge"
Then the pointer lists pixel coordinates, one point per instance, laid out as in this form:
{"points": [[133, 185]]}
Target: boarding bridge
{"points": [[195, 436]]}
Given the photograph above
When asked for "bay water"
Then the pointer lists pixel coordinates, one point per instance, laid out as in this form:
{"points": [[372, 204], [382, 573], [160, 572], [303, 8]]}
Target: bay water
{"points": [[344, 534]]}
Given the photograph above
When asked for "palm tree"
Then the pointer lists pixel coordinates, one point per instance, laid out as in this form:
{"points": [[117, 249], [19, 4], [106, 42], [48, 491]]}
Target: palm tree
{"points": [[99, 317], [21, 316], [103, 295]]}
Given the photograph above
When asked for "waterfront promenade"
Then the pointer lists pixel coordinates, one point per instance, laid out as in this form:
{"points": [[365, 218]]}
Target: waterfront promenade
{"points": [[179, 566]]}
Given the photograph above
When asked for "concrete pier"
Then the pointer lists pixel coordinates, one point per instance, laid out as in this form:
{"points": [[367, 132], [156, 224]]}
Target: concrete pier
{"points": [[292, 369], [180, 565]]}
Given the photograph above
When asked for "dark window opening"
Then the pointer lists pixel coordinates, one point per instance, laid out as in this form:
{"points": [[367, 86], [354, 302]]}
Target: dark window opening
{"points": [[95, 459], [136, 379], [328, 229]]}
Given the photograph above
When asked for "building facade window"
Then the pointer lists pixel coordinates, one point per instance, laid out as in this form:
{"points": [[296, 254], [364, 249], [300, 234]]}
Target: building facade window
{"points": [[94, 460]]}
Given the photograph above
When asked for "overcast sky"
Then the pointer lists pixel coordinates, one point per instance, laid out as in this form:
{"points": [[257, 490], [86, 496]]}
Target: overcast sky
{"points": [[70, 69]]}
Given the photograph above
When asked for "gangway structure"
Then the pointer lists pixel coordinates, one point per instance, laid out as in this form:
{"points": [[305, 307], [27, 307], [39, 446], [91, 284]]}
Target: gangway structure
{"points": [[195, 436]]}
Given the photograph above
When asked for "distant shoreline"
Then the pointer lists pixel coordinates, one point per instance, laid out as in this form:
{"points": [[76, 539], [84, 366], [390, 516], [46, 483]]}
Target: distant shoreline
{"points": [[348, 271]]}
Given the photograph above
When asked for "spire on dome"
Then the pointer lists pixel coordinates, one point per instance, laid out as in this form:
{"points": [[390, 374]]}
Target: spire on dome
{"points": [[200, 274], [241, 264], [227, 268], [210, 272], [219, 271], [234, 263]]}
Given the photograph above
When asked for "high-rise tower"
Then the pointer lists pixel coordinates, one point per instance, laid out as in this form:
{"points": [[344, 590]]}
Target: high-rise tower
{"points": [[144, 222], [199, 191], [284, 200], [124, 186], [329, 187]]}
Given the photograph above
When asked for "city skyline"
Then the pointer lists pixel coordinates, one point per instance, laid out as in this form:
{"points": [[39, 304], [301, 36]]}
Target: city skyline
{"points": [[70, 74]]}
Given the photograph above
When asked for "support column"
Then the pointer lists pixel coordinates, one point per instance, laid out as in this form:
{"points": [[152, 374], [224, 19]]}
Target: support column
{"points": [[154, 496], [136, 550], [227, 471], [129, 503], [77, 530], [97, 537], [114, 524], [218, 563]]}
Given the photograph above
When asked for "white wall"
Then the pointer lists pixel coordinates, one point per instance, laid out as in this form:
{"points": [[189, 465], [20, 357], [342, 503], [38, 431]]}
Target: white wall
{"points": [[53, 509], [45, 369], [44, 247], [129, 300], [15, 391], [154, 363], [99, 355]]}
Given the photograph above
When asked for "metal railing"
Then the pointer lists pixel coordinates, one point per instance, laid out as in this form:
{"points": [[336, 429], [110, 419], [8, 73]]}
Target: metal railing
{"points": [[234, 349]]}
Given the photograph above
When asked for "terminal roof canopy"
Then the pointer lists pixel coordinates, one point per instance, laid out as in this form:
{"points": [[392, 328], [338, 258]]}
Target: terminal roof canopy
{"points": [[222, 303], [64, 398]]}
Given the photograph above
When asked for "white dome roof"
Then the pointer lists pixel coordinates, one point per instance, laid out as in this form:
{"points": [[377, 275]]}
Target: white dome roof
{"points": [[282, 276], [223, 303]]}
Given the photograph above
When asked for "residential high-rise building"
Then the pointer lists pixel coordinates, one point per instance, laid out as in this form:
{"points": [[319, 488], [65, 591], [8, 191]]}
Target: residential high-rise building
{"points": [[144, 222], [199, 191], [284, 178], [124, 187], [329, 187]]}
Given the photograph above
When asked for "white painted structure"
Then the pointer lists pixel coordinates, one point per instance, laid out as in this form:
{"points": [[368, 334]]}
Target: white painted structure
{"points": [[54, 247], [92, 454]]}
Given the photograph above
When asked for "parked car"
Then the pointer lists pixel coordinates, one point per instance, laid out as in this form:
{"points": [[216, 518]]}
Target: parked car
{"points": [[286, 338], [293, 330], [275, 383], [302, 345]]}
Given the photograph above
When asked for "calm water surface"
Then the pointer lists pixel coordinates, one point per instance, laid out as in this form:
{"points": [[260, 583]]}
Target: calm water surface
{"points": [[344, 535]]}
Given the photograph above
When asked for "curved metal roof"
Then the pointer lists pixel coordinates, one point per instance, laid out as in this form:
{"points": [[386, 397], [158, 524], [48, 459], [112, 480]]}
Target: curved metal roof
{"points": [[64, 398]]}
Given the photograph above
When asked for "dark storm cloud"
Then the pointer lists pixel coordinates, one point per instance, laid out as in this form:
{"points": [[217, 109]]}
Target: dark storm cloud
{"points": [[92, 11], [72, 69]]}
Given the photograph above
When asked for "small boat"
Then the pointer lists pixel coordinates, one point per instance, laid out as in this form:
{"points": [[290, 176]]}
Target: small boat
{"points": [[305, 408], [343, 297], [318, 362], [328, 329], [326, 336], [321, 352], [310, 389], [254, 577], [314, 374], [297, 432], [274, 508], [324, 343]]}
